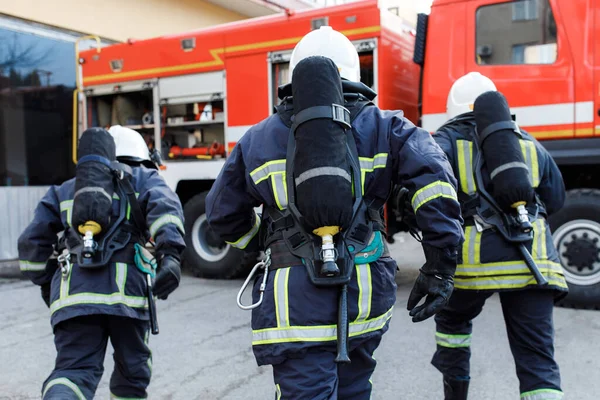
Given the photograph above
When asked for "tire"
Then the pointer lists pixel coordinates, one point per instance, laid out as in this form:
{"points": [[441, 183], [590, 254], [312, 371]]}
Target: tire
{"points": [[204, 260], [576, 235]]}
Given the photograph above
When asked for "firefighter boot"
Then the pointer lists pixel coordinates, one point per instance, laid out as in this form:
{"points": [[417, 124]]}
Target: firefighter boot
{"points": [[455, 389]]}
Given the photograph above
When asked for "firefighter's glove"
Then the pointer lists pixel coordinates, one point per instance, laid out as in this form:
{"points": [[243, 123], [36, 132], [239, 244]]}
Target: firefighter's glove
{"points": [[168, 277], [435, 280], [45, 289]]}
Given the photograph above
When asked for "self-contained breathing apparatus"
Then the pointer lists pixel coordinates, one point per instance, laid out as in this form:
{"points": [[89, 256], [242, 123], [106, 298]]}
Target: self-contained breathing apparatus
{"points": [[99, 239], [289, 236]]}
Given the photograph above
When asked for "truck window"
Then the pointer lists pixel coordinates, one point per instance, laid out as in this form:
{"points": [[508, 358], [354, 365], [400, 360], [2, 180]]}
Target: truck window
{"points": [[519, 32]]}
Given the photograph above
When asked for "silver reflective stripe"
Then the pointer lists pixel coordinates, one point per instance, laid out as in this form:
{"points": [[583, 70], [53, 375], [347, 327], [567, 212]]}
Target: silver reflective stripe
{"points": [[468, 157], [322, 171], [280, 288], [473, 246], [31, 266], [363, 277], [92, 298], [242, 242], [453, 341], [264, 171], [432, 191], [542, 394], [316, 333], [65, 382], [504, 167], [93, 189], [164, 220], [474, 283], [527, 155], [279, 190]]}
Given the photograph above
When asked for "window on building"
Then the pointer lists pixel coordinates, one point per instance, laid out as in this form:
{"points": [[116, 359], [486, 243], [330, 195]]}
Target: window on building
{"points": [[37, 80], [524, 10], [522, 32]]}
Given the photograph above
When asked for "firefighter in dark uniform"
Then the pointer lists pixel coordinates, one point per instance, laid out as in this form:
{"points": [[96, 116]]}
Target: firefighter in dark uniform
{"points": [[90, 306], [294, 328], [490, 264]]}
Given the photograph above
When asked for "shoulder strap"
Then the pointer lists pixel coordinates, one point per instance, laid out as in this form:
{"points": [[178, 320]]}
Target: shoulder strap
{"points": [[124, 176]]}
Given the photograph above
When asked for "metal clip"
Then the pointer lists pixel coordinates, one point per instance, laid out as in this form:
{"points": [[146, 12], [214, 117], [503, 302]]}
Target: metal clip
{"points": [[265, 265], [65, 263]]}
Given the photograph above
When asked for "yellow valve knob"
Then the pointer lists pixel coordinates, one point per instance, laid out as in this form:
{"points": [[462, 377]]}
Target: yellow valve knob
{"points": [[90, 226]]}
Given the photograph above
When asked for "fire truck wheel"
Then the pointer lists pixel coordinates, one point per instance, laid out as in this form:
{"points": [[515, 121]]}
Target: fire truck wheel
{"points": [[206, 255], [576, 234]]}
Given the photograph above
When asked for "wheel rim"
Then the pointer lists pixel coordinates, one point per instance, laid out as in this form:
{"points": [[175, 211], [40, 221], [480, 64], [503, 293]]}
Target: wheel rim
{"points": [[578, 245], [201, 246]]}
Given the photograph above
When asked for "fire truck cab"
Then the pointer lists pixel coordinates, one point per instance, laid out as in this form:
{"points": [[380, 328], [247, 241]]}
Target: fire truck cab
{"points": [[544, 56], [192, 96]]}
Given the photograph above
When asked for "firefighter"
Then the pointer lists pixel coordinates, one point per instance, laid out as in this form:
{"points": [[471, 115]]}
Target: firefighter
{"points": [[490, 263], [294, 325], [90, 305]]}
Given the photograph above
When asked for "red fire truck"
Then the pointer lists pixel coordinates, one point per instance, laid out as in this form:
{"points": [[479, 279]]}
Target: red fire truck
{"points": [[192, 96]]}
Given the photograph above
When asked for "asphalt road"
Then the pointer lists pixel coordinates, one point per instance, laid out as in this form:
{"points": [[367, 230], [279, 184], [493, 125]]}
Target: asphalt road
{"points": [[203, 349]]}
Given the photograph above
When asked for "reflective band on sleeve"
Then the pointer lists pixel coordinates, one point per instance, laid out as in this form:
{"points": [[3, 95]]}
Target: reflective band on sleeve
{"points": [[242, 242], [452, 341], [433, 191], [504, 167], [267, 169], [65, 382], [280, 292], [32, 266], [542, 394], [164, 220], [279, 187], [67, 206], [278, 392], [365, 291], [322, 171], [465, 166], [320, 333]]}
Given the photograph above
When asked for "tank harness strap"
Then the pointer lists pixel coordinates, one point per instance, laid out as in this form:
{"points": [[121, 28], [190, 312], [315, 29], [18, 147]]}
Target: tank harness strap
{"points": [[124, 180], [95, 158], [335, 112], [498, 126]]}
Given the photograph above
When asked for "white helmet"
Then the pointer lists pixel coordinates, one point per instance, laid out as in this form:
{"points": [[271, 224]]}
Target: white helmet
{"points": [[332, 44], [129, 144], [464, 92]]}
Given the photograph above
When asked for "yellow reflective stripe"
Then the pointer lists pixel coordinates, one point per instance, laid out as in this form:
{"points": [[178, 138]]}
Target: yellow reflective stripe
{"points": [[464, 149], [121, 276], [67, 206], [431, 192], [506, 282], [65, 382], [31, 266], [278, 391], [506, 268], [146, 340], [538, 248], [242, 242], [165, 220], [471, 248], [279, 187], [452, 341], [365, 291], [280, 293], [266, 170], [96, 298], [318, 333], [542, 394], [369, 165], [531, 159]]}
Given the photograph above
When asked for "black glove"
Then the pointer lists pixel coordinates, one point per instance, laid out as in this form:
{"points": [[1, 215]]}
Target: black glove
{"points": [[436, 281], [167, 278], [45, 288]]}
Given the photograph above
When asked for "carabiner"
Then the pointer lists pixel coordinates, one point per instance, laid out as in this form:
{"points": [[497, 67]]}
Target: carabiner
{"points": [[262, 264], [65, 264]]}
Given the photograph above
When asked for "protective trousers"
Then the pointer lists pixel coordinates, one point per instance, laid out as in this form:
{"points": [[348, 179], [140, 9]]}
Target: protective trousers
{"points": [[81, 346], [316, 376], [528, 318]]}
